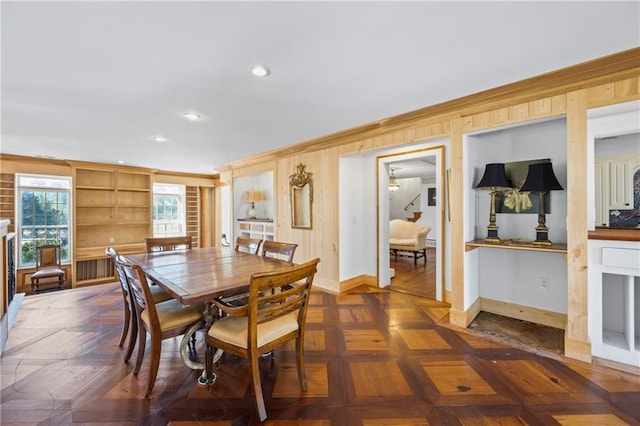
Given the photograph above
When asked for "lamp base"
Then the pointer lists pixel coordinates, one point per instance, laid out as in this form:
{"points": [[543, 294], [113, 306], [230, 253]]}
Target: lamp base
{"points": [[251, 214], [492, 235], [542, 237]]}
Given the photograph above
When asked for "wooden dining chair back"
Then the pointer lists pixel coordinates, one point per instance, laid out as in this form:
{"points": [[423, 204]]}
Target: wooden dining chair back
{"points": [[268, 320], [280, 250], [248, 245], [162, 320], [47, 266], [130, 320], [168, 243]]}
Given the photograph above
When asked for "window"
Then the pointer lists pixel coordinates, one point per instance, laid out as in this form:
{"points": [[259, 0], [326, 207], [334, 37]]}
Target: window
{"points": [[44, 211], [168, 210]]}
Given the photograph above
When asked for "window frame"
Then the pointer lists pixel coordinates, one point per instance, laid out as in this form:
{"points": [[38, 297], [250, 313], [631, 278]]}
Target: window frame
{"points": [[21, 187], [175, 190]]}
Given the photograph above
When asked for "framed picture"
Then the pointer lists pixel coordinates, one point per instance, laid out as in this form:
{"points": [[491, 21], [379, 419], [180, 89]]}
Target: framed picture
{"points": [[431, 197], [514, 201]]}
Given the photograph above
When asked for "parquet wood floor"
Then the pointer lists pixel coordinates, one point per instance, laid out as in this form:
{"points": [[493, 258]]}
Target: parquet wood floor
{"points": [[373, 358], [417, 280]]}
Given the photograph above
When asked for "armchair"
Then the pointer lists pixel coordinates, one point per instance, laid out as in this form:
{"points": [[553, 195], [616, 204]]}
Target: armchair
{"points": [[405, 236]]}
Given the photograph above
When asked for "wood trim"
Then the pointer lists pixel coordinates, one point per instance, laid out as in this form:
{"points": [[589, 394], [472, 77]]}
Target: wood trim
{"points": [[616, 365], [525, 313], [463, 318], [326, 284], [577, 243], [577, 349], [368, 280]]}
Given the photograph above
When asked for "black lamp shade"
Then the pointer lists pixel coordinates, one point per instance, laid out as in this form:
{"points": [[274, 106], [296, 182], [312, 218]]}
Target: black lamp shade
{"points": [[494, 177], [540, 177]]}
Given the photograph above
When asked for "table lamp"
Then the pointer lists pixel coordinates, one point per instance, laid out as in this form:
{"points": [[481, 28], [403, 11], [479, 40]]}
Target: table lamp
{"points": [[252, 197], [541, 179], [494, 177]]}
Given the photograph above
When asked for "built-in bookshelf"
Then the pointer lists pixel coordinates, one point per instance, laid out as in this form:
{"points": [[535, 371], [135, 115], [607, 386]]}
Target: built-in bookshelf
{"points": [[112, 208]]}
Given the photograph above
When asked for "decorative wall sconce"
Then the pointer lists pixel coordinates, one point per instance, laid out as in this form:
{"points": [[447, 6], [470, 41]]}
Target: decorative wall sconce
{"points": [[494, 177], [393, 184], [540, 179], [252, 197]]}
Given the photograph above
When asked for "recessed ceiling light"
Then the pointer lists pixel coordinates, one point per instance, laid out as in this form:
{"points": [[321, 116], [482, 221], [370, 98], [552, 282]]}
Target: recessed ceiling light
{"points": [[260, 71], [193, 116], [159, 139], [120, 162]]}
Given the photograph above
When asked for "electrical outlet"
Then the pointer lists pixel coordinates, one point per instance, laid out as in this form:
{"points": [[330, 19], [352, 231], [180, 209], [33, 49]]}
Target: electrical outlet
{"points": [[544, 283]]}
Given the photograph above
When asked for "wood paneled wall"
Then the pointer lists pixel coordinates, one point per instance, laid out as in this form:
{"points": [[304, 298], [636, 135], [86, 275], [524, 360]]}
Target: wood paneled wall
{"points": [[570, 91]]}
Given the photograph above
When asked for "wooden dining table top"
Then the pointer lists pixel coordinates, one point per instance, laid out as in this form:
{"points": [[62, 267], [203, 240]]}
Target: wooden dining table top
{"points": [[202, 274]]}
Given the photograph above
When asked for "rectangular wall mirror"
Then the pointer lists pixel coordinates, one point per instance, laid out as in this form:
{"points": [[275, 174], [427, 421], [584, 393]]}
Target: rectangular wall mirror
{"points": [[301, 194]]}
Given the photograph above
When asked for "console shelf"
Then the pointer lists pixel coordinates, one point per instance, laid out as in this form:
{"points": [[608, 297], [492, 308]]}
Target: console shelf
{"points": [[516, 245]]}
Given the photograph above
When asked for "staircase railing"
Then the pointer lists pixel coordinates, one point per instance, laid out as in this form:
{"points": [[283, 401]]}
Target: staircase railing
{"points": [[411, 203]]}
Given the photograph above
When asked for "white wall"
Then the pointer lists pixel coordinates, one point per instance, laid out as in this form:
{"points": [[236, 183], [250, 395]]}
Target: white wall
{"points": [[357, 228], [511, 275], [399, 199], [620, 145], [259, 181]]}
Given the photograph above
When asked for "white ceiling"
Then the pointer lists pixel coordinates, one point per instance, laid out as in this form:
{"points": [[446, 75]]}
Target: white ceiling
{"points": [[93, 81]]}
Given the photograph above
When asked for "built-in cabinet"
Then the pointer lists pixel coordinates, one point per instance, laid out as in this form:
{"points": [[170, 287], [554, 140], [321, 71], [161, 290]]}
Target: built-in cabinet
{"points": [[614, 301], [112, 208], [614, 185], [256, 228]]}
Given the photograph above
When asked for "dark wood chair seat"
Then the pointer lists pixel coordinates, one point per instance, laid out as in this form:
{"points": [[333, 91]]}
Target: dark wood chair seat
{"points": [[47, 266]]}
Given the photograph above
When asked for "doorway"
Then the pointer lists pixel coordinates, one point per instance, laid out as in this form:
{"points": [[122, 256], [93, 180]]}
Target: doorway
{"points": [[410, 187]]}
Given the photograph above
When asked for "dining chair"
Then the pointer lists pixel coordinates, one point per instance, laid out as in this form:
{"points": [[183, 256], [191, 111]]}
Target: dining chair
{"points": [[248, 245], [47, 266], [162, 320], [130, 317], [280, 250], [168, 243], [268, 320]]}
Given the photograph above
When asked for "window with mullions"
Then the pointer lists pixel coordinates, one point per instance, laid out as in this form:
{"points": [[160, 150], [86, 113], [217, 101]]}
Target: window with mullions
{"points": [[168, 210], [44, 211]]}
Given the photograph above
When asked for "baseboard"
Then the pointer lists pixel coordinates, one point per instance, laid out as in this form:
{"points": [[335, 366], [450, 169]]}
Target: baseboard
{"points": [[616, 365], [327, 285], [525, 313], [447, 296], [464, 318], [354, 282], [577, 349]]}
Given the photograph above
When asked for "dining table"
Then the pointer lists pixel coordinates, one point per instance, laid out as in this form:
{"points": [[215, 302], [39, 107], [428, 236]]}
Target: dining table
{"points": [[202, 275]]}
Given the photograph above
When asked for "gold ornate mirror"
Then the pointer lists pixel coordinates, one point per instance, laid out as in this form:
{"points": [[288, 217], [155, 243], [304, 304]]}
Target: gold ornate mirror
{"points": [[301, 193]]}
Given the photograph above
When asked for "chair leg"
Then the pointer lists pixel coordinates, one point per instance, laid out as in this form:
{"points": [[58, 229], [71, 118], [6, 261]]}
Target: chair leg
{"points": [[257, 387], [415, 258], [125, 325], [156, 347], [132, 336], [142, 342], [302, 377]]}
